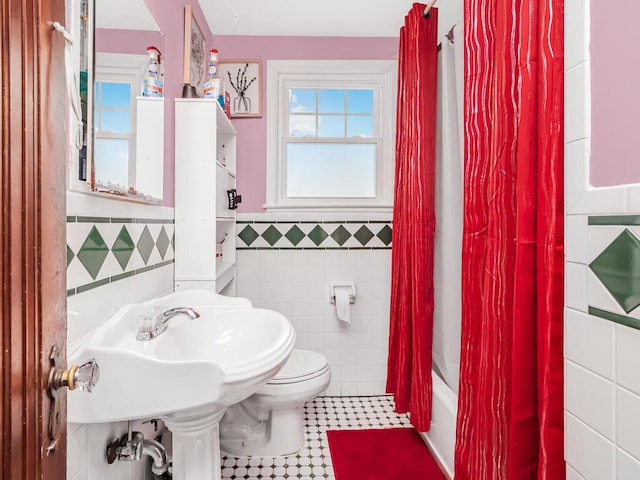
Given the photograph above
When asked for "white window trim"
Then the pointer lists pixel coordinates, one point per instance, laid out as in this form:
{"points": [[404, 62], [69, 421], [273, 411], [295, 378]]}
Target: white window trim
{"points": [[380, 72]]}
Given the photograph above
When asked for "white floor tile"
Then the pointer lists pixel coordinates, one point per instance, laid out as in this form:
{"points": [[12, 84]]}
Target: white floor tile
{"points": [[313, 461]]}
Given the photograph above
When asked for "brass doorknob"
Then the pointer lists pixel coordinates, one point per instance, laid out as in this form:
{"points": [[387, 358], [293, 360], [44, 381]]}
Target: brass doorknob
{"points": [[83, 377]]}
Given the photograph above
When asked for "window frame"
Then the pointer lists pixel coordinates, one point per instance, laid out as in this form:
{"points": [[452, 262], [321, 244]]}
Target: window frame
{"points": [[379, 75]]}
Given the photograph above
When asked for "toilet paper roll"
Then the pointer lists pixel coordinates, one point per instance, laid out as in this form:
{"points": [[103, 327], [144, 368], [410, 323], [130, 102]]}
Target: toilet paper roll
{"points": [[343, 306]]}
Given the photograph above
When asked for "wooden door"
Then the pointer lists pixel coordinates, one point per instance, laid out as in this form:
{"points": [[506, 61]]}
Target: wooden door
{"points": [[32, 234]]}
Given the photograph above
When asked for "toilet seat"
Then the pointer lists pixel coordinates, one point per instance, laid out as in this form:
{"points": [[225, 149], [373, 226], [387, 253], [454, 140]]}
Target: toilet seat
{"points": [[302, 365]]}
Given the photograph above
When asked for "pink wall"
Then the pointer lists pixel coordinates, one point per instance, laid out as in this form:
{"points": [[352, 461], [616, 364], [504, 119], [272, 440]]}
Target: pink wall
{"points": [[615, 94], [252, 132], [134, 42], [170, 18]]}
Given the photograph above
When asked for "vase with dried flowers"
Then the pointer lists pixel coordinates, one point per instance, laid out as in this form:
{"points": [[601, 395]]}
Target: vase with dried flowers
{"points": [[241, 103]]}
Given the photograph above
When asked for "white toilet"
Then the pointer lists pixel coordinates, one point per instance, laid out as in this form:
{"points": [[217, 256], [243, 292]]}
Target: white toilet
{"points": [[269, 423]]}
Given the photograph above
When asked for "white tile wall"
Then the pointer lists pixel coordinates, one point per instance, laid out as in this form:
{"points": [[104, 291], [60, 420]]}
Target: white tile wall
{"points": [[590, 342], [602, 384], [590, 398], [296, 283], [628, 468], [588, 452], [628, 358], [86, 444]]}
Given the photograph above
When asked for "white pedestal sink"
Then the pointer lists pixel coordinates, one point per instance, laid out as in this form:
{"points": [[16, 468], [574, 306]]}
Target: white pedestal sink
{"points": [[188, 375]]}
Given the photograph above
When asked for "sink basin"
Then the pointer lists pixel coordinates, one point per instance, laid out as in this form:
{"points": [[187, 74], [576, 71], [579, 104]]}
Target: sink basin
{"points": [[195, 366]]}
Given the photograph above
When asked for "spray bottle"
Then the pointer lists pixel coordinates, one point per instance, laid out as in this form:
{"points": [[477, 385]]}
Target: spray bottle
{"points": [[152, 85], [213, 86]]}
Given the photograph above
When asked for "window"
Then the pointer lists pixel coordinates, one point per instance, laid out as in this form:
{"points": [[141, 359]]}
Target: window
{"points": [[332, 143], [113, 148]]}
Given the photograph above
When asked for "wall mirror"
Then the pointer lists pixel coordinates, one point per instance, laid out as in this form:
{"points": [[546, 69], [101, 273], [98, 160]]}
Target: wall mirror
{"points": [[123, 153]]}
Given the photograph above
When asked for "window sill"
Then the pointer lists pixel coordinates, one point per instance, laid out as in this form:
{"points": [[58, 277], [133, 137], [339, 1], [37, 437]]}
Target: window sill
{"points": [[328, 208]]}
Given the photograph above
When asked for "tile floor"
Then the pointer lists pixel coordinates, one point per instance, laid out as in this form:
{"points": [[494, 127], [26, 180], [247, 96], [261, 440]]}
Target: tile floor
{"points": [[314, 460]]}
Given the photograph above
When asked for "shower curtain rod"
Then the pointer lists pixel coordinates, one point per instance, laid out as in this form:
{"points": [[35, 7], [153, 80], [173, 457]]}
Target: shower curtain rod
{"points": [[428, 7]]}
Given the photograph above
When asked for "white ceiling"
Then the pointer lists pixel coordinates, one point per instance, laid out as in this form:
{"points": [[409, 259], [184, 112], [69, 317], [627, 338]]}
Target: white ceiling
{"points": [[378, 18], [124, 14]]}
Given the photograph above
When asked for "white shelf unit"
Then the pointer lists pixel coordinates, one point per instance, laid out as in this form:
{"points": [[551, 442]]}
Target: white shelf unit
{"points": [[147, 172], [204, 222]]}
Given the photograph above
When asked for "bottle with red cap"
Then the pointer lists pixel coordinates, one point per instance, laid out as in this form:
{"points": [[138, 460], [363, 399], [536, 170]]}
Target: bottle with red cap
{"points": [[152, 84], [213, 86]]}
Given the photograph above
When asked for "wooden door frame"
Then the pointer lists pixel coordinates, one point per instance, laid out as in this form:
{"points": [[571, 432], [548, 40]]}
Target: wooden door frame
{"points": [[32, 236]]}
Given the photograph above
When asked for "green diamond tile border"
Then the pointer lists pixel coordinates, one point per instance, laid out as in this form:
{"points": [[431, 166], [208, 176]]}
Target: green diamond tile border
{"points": [[248, 235], [145, 245], [318, 235], [123, 247], [295, 235], [385, 235], [70, 255], [363, 235], [162, 243], [618, 269], [93, 252], [341, 235], [271, 235]]}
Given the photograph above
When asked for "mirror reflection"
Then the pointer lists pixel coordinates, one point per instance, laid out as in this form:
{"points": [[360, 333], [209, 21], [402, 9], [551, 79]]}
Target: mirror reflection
{"points": [[126, 146]]}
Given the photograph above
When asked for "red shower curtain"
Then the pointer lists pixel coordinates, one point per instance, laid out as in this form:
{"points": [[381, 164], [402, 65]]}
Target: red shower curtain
{"points": [[411, 323], [510, 404]]}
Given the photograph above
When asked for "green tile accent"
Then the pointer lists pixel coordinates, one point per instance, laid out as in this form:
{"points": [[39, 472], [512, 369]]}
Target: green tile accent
{"points": [[121, 220], [145, 245], [295, 235], [93, 252], [614, 220], [248, 235], [145, 269], [153, 220], [91, 286], [173, 240], [81, 219], [123, 247], [71, 219], [363, 235], [317, 235], [122, 276], [271, 235], [385, 235], [162, 242], [341, 235], [618, 268], [70, 255], [614, 317]]}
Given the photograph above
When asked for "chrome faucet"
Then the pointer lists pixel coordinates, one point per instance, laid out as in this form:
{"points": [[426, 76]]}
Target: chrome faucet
{"points": [[151, 327]]}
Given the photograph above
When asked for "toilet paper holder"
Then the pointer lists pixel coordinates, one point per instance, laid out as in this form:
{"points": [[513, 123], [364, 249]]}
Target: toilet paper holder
{"points": [[332, 291]]}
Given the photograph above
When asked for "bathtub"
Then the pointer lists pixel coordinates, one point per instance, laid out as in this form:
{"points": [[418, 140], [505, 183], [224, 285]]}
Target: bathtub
{"points": [[441, 439]]}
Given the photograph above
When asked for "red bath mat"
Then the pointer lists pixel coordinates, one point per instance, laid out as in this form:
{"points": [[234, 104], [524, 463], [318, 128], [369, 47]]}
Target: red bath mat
{"points": [[381, 454]]}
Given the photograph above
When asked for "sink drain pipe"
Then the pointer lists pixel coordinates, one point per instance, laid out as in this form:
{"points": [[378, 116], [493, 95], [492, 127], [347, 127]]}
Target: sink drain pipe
{"points": [[156, 451], [133, 446]]}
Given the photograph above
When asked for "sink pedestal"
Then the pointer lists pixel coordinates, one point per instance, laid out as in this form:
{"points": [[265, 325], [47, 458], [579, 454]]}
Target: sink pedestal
{"points": [[196, 445]]}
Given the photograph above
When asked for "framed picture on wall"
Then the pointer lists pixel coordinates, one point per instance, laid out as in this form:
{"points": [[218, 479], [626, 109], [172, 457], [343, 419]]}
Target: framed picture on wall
{"points": [[243, 80], [195, 51]]}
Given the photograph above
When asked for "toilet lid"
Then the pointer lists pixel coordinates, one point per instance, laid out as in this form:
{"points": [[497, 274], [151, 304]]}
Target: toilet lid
{"points": [[301, 365]]}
